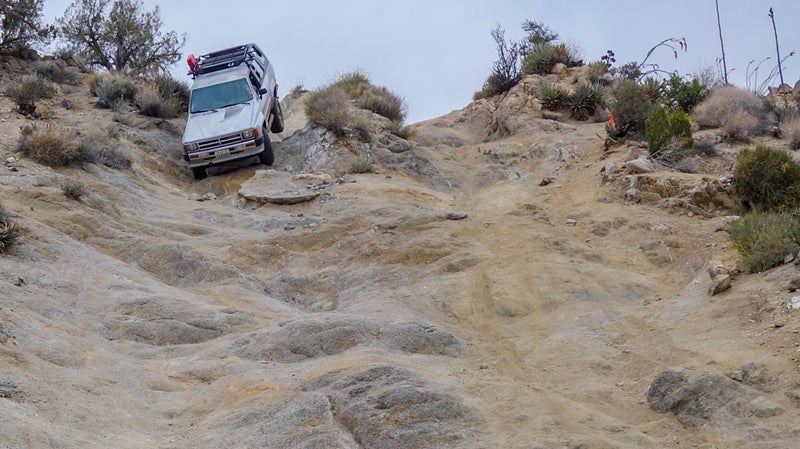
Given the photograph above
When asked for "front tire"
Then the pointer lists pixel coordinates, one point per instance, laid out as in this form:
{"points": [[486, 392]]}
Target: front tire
{"points": [[277, 117], [199, 173], [266, 157]]}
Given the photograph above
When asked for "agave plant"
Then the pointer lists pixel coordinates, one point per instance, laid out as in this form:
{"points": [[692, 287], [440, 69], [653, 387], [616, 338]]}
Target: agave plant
{"points": [[8, 233], [551, 96], [654, 89], [586, 99]]}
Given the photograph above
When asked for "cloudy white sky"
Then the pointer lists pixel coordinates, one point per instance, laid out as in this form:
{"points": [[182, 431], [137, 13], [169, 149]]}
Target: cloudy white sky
{"points": [[437, 53]]}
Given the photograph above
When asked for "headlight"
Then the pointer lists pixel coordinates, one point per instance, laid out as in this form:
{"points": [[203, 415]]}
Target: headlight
{"points": [[190, 147], [248, 134]]}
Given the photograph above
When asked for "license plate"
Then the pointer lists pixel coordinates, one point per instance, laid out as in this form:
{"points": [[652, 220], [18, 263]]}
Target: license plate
{"points": [[222, 153]]}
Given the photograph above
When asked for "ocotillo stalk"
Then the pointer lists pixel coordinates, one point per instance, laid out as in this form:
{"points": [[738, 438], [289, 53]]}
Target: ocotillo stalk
{"points": [[775, 30], [722, 45]]}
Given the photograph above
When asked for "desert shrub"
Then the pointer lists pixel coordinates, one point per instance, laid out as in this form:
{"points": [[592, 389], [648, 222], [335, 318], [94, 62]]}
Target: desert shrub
{"points": [[494, 85], [705, 148], [297, 91], [31, 89], [768, 178], [765, 239], [351, 83], [630, 108], [688, 164], [790, 130], [586, 99], [329, 107], [551, 96], [113, 90], [48, 146], [739, 112], [382, 101], [362, 129], [103, 150], [596, 70], [404, 132], [684, 94], [361, 166], [8, 234], [58, 71], [176, 91], [152, 103], [74, 189]]}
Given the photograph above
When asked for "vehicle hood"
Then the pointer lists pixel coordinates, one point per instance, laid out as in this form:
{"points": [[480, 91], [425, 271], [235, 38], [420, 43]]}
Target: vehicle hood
{"points": [[206, 125]]}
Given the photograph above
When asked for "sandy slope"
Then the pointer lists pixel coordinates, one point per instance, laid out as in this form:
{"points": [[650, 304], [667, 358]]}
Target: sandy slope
{"points": [[140, 318]]}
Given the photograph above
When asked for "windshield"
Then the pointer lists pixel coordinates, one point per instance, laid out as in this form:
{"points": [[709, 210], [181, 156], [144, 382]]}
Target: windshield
{"points": [[220, 95]]}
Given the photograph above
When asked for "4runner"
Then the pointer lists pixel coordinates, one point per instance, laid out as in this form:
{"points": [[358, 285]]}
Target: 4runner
{"points": [[233, 103]]}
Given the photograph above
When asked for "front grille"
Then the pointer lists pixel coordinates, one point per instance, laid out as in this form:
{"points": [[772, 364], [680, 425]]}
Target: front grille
{"points": [[217, 142]]}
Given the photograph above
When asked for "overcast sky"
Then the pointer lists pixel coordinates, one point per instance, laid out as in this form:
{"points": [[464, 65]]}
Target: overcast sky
{"points": [[437, 53]]}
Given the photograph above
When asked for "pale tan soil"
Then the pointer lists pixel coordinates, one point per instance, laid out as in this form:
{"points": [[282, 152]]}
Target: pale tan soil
{"points": [[564, 326]]}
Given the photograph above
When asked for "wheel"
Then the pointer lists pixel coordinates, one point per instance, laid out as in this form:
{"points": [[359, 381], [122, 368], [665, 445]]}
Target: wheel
{"points": [[266, 157], [199, 173], [277, 117]]}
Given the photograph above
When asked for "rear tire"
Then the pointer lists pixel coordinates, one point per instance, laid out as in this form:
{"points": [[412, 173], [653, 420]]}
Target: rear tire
{"points": [[266, 157], [277, 117], [199, 173]]}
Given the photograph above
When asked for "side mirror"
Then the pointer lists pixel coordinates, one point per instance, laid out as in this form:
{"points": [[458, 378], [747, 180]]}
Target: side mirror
{"points": [[262, 91]]}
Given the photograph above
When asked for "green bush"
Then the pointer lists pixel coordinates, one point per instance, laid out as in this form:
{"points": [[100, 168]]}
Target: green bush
{"points": [[765, 239], [329, 107], [29, 91], [48, 146], [551, 96], [586, 99], [152, 103], [630, 108], [113, 90], [656, 129], [768, 178], [684, 94]]}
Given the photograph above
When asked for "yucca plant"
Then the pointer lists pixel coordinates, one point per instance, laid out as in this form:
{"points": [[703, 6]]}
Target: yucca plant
{"points": [[551, 96], [8, 234]]}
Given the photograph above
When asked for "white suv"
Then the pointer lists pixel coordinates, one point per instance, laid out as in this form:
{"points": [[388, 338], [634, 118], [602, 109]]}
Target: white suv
{"points": [[234, 102]]}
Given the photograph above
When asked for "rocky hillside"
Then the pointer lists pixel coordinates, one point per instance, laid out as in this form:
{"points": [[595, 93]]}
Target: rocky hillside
{"points": [[498, 280]]}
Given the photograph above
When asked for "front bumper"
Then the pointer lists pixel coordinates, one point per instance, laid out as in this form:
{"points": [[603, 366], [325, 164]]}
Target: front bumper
{"points": [[207, 158]]}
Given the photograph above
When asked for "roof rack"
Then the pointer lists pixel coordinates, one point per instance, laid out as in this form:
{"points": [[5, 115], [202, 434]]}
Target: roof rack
{"points": [[227, 58]]}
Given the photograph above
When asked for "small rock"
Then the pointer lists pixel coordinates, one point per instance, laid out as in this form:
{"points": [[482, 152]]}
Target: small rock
{"points": [[794, 303], [571, 222], [210, 196], [454, 215], [289, 226], [794, 285], [195, 197], [719, 284], [640, 165], [11, 160]]}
